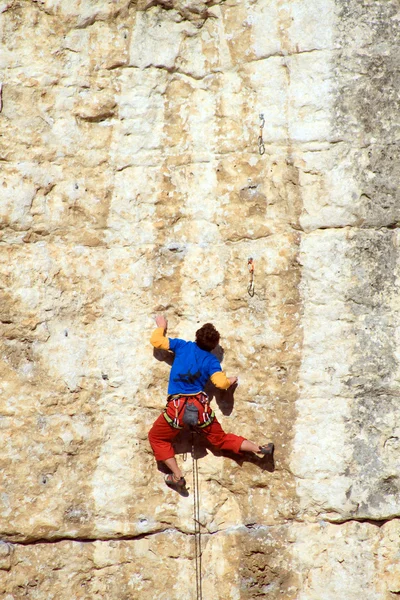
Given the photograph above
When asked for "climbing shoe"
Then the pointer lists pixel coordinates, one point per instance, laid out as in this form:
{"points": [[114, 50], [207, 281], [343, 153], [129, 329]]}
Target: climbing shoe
{"points": [[172, 481], [267, 450]]}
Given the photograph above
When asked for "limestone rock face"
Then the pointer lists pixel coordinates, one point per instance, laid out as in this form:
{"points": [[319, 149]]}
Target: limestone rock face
{"points": [[148, 149]]}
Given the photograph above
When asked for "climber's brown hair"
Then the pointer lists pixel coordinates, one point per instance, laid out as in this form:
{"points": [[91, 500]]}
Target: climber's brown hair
{"points": [[207, 337]]}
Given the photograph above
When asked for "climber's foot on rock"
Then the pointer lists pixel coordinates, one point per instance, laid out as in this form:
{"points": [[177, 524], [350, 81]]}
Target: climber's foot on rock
{"points": [[175, 482], [267, 450]]}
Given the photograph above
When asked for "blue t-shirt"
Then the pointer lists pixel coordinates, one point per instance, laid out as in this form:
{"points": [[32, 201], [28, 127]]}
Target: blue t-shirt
{"points": [[192, 367]]}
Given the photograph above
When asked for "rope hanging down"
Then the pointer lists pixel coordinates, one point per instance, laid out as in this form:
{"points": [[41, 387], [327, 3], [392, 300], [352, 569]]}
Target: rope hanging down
{"points": [[197, 525]]}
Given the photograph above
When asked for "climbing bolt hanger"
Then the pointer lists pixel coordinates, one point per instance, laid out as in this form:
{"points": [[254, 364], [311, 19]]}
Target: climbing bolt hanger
{"points": [[261, 147], [250, 287]]}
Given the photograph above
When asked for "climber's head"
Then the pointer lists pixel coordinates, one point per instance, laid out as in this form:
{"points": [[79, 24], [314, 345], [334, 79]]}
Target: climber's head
{"points": [[207, 337]]}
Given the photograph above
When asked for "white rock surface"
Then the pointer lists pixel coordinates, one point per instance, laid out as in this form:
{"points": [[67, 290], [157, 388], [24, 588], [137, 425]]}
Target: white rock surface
{"points": [[133, 183]]}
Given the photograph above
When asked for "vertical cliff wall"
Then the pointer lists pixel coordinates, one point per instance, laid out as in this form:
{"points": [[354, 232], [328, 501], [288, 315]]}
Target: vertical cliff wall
{"points": [[132, 183]]}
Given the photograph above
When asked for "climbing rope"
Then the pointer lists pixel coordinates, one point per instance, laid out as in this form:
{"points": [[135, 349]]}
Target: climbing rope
{"points": [[261, 147], [197, 525], [250, 287]]}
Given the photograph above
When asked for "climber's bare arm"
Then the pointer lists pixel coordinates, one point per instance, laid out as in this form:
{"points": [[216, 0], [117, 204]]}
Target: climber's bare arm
{"points": [[158, 339]]}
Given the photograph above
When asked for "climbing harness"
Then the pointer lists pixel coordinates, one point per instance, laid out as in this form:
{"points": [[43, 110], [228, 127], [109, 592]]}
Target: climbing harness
{"points": [[250, 287], [197, 524], [261, 147], [183, 405]]}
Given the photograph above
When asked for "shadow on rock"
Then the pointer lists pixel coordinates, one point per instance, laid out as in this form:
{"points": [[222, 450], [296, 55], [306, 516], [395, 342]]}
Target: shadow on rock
{"points": [[219, 353], [225, 399], [164, 356]]}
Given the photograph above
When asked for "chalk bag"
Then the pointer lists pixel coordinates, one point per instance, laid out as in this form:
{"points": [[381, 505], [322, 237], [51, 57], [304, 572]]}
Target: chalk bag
{"points": [[191, 414]]}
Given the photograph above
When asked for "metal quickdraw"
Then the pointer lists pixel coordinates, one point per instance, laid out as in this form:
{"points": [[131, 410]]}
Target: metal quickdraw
{"points": [[176, 401], [208, 417], [261, 146], [250, 287]]}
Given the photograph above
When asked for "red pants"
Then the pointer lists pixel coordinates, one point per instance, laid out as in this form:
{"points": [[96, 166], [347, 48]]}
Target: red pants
{"points": [[162, 434]]}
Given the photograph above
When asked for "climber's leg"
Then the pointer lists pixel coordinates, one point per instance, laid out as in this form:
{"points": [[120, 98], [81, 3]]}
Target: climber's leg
{"points": [[236, 443], [224, 441], [266, 450], [173, 465], [248, 446], [160, 437]]}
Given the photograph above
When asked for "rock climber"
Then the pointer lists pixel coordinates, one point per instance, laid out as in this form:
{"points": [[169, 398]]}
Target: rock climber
{"points": [[193, 365]]}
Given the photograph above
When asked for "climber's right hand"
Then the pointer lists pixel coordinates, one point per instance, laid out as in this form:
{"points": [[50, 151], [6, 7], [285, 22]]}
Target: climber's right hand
{"points": [[233, 380], [161, 321]]}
